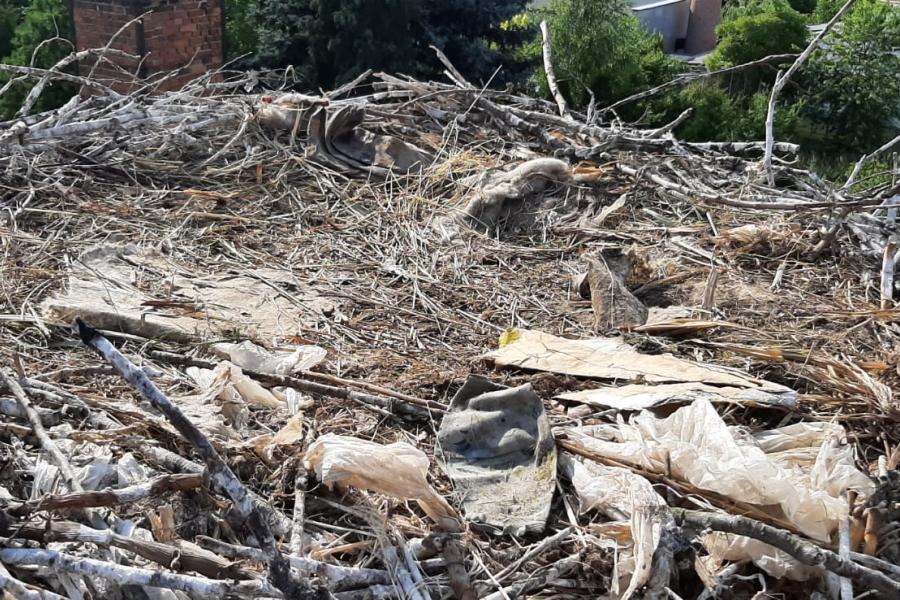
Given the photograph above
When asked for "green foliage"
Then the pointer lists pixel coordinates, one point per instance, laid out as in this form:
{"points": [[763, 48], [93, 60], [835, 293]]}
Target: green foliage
{"points": [[851, 84], [332, 41], [472, 35], [825, 9], [33, 44], [600, 45], [11, 13], [755, 29], [715, 113], [241, 36], [804, 7]]}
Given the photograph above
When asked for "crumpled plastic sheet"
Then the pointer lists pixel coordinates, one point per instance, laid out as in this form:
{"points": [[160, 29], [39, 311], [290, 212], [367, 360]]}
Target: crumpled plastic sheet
{"points": [[248, 355], [398, 470], [108, 287], [797, 472], [624, 496]]}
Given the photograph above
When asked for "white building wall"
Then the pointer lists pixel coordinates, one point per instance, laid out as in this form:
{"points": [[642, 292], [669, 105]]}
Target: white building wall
{"points": [[667, 17]]}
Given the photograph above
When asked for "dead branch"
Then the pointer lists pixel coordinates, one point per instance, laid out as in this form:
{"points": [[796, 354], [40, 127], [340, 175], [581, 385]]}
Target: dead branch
{"points": [[245, 508], [454, 555], [161, 457], [781, 81], [122, 575], [337, 577], [867, 157], [47, 443], [805, 552], [683, 80], [112, 497], [668, 127], [41, 73], [395, 402], [17, 590], [53, 72], [182, 558], [550, 73]]}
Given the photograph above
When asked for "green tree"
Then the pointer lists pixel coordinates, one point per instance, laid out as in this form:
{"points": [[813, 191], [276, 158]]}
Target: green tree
{"points": [[600, 45], [332, 41], [11, 13], [755, 29], [852, 83], [40, 39], [805, 7], [472, 35], [241, 35], [825, 9]]}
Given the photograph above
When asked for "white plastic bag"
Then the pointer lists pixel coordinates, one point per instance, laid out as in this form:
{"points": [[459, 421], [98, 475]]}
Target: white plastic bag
{"points": [[248, 355], [396, 470]]}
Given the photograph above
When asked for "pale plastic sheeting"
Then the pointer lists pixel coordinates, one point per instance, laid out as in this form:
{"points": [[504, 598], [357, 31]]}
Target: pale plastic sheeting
{"points": [[142, 291], [228, 384], [624, 496], [222, 407], [640, 397], [398, 470], [797, 472], [248, 355], [292, 433], [612, 358]]}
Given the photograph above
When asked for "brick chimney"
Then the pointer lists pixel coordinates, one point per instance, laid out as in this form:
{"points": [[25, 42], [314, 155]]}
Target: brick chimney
{"points": [[701, 33], [175, 32]]}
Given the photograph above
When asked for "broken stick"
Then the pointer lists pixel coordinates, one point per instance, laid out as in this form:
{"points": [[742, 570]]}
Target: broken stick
{"points": [[781, 81], [220, 473], [123, 575], [805, 552], [111, 497], [550, 72]]}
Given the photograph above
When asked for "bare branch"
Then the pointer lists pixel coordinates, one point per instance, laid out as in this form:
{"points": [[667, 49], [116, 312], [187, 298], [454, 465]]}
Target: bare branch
{"points": [[550, 73], [781, 81], [245, 508], [122, 575], [805, 552]]}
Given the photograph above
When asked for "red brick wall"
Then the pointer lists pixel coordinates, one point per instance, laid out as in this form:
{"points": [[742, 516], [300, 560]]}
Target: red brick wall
{"points": [[174, 33]]}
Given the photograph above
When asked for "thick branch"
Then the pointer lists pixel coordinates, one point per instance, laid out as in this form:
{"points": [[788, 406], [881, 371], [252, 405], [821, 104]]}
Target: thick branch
{"points": [[550, 73], [122, 575], [176, 558], [782, 80], [15, 589], [111, 497], [220, 473], [805, 552]]}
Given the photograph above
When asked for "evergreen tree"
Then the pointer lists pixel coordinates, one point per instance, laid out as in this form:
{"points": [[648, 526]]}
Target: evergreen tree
{"points": [[470, 33], [40, 39]]}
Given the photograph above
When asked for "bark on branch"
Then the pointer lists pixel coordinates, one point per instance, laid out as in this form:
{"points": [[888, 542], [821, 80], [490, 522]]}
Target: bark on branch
{"points": [[805, 552], [122, 575], [550, 72], [220, 473], [781, 81]]}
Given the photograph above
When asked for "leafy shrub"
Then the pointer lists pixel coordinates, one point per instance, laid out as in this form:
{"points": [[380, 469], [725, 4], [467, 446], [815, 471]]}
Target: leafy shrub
{"points": [[851, 84], [756, 29], [40, 39], [601, 46]]}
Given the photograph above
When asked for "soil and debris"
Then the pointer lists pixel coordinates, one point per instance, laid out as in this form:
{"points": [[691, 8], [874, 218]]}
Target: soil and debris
{"points": [[602, 362]]}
